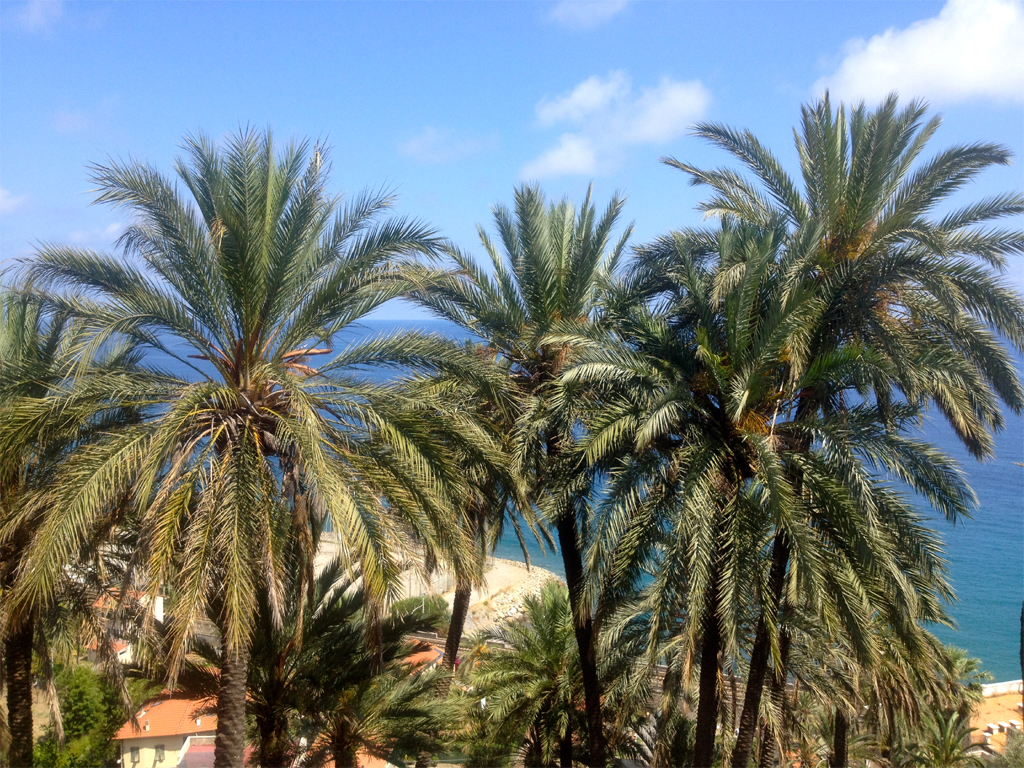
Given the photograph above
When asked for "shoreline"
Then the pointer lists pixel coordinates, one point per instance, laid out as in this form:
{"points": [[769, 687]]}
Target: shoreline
{"points": [[507, 585]]}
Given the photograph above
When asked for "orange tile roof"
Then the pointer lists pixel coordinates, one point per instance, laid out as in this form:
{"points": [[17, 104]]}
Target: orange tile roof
{"points": [[170, 716], [110, 599], [118, 645], [428, 655]]}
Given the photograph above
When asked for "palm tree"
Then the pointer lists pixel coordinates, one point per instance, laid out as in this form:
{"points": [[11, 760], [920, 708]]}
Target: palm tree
{"points": [[398, 713], [693, 410], [917, 294], [320, 681], [482, 399], [860, 705], [242, 281], [553, 264], [683, 400], [816, 737], [947, 743], [39, 355], [531, 684], [907, 685]]}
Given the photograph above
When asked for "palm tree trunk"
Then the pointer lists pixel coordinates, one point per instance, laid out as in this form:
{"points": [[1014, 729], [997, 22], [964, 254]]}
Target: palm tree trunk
{"points": [[707, 703], [583, 624], [838, 758], [18, 671], [534, 752], [778, 692], [733, 695], [275, 746], [759, 655], [229, 746], [583, 621], [749, 719], [343, 748], [460, 609], [761, 741], [565, 747]]}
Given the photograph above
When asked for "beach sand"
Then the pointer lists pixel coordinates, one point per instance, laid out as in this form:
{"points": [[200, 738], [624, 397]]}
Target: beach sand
{"points": [[996, 709], [506, 583]]}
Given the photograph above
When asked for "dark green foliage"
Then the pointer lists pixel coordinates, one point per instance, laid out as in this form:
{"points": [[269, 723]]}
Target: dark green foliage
{"points": [[531, 681], [92, 713], [945, 743], [482, 749], [347, 686], [432, 610]]}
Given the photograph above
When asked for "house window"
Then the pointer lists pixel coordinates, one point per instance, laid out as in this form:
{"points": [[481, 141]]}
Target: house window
{"points": [[135, 755], [159, 753]]}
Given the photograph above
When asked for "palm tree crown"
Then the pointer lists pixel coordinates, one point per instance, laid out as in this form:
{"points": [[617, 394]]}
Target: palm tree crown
{"points": [[919, 291], [40, 361], [245, 280], [530, 684], [554, 266]]}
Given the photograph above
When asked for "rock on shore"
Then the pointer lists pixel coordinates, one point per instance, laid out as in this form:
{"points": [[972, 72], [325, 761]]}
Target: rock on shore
{"points": [[507, 604]]}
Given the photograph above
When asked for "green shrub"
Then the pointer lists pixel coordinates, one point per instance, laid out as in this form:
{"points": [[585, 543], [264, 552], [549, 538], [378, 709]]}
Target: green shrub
{"points": [[1013, 755], [434, 607], [92, 713]]}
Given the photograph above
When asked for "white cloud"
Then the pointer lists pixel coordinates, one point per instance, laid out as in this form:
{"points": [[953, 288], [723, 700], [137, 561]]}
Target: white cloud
{"points": [[585, 14], [608, 116], [100, 237], [9, 203], [663, 113], [433, 146], [592, 95], [973, 48], [573, 155], [40, 15]]}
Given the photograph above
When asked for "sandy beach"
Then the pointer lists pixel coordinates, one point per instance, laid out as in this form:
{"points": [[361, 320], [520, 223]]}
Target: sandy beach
{"points": [[506, 584], [999, 708]]}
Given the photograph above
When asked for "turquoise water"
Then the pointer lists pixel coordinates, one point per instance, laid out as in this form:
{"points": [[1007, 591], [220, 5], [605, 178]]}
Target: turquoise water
{"points": [[986, 553]]}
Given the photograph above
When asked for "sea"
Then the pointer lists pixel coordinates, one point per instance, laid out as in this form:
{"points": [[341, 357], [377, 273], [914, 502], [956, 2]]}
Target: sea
{"points": [[985, 552]]}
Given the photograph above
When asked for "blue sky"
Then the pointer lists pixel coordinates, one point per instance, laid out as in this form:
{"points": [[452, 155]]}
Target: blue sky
{"points": [[452, 104]]}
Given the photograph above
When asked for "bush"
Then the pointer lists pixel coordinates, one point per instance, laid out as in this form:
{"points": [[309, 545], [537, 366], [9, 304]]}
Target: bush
{"points": [[432, 606], [92, 714], [1013, 755]]}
